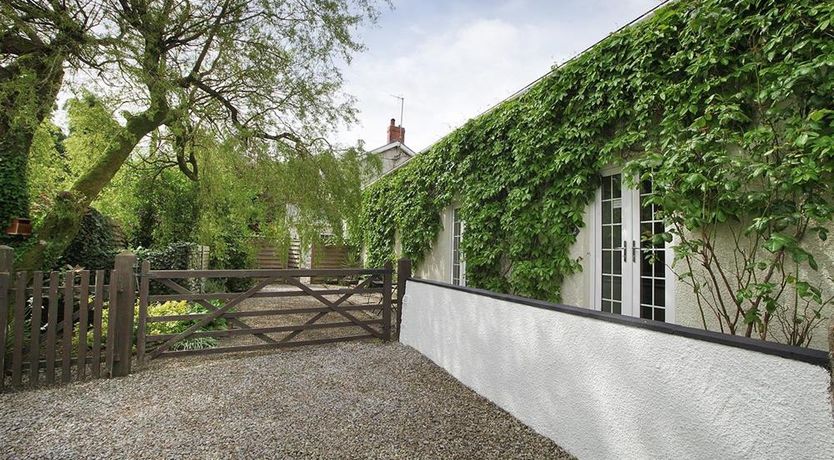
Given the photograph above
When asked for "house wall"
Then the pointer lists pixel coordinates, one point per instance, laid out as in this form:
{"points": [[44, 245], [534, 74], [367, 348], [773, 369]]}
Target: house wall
{"points": [[577, 288], [392, 158], [437, 264], [611, 387]]}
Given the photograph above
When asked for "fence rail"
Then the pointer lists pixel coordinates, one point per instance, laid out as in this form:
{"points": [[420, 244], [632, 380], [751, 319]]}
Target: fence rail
{"points": [[74, 325], [151, 346]]}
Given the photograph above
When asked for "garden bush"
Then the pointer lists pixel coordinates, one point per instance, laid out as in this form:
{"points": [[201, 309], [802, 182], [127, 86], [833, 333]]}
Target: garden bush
{"points": [[236, 252], [172, 307], [94, 247], [174, 256]]}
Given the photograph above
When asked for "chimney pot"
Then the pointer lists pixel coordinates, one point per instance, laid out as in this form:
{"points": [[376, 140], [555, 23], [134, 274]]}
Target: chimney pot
{"points": [[396, 133]]}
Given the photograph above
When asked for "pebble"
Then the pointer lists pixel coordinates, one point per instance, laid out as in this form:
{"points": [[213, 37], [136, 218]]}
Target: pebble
{"points": [[339, 401]]}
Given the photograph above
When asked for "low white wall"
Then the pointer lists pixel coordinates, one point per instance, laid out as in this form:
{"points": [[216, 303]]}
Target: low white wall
{"points": [[606, 390]]}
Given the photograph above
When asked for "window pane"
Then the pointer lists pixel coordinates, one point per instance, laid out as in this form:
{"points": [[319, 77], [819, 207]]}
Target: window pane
{"points": [[646, 187], [659, 314], [660, 264], [659, 293], [606, 286], [616, 188], [645, 263], [646, 312], [606, 212], [646, 291], [617, 256], [645, 211]]}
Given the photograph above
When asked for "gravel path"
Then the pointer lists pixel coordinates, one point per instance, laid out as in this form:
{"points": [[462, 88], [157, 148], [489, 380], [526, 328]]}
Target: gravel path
{"points": [[350, 400]]}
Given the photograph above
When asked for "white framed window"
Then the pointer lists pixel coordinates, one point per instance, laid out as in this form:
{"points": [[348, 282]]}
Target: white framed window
{"points": [[631, 275], [458, 262]]}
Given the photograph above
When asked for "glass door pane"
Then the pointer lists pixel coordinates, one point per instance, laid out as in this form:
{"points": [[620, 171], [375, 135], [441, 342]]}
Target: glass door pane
{"points": [[611, 244], [652, 259]]}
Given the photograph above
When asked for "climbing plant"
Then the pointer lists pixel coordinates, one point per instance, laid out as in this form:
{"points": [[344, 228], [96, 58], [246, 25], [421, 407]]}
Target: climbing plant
{"points": [[716, 100]]}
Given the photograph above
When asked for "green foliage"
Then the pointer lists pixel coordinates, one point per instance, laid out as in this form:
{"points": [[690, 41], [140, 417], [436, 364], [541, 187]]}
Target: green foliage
{"points": [[166, 209], [93, 247], [169, 308], [678, 91], [174, 256], [48, 168]]}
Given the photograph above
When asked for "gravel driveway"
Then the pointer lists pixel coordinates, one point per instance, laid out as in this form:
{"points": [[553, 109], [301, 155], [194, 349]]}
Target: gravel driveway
{"points": [[350, 400]]}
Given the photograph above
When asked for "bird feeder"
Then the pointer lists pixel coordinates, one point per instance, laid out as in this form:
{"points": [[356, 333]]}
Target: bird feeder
{"points": [[19, 227]]}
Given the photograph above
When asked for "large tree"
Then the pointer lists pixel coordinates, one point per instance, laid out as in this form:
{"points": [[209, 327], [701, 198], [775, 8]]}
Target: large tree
{"points": [[264, 72], [38, 40]]}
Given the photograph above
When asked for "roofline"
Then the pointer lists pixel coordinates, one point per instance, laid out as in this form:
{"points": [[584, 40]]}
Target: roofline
{"points": [[520, 92], [392, 145]]}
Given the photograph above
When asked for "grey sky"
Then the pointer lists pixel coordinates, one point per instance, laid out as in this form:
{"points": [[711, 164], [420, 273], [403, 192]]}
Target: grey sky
{"points": [[452, 60]]}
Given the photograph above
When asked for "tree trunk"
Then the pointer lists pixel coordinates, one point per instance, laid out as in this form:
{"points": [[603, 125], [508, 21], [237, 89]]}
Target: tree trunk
{"points": [[29, 88], [63, 220]]}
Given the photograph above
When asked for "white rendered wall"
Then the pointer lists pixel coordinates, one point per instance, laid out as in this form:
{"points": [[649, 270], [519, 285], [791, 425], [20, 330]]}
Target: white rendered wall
{"points": [[437, 263], [603, 390]]}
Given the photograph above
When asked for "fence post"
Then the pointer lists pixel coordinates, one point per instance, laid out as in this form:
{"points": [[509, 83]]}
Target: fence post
{"points": [[403, 274], [6, 258], [386, 301], [125, 299], [6, 266]]}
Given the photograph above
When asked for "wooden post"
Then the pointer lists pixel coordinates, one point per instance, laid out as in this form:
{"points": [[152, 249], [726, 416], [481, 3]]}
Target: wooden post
{"points": [[6, 260], [403, 274], [144, 285], [123, 309], [7, 266], [386, 301], [5, 281]]}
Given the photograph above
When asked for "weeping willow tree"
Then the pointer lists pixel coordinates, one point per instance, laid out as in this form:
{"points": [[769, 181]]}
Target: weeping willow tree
{"points": [[259, 79], [243, 188]]}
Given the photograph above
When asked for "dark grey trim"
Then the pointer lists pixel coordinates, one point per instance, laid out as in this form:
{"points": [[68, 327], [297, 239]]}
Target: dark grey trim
{"points": [[818, 357]]}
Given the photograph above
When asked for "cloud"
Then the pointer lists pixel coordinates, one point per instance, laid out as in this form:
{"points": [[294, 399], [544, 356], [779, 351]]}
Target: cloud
{"points": [[445, 78], [451, 69]]}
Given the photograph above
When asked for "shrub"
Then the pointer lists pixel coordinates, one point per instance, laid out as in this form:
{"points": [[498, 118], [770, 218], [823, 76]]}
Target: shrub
{"points": [[170, 308], [234, 253], [174, 256], [94, 247]]}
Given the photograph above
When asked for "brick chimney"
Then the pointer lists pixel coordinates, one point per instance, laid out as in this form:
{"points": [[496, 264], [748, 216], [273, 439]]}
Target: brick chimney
{"points": [[396, 133]]}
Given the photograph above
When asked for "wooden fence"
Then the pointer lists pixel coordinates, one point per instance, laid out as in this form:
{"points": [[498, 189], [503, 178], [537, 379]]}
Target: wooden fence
{"points": [[63, 326], [75, 325]]}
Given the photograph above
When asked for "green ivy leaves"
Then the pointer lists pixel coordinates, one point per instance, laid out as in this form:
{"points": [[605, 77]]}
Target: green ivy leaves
{"points": [[718, 100]]}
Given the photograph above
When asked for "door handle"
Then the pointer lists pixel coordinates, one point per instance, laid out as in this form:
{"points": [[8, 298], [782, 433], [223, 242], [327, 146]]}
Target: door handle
{"points": [[625, 251], [634, 249]]}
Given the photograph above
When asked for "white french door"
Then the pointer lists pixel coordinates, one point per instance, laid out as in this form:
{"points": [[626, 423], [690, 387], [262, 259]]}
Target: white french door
{"points": [[632, 276]]}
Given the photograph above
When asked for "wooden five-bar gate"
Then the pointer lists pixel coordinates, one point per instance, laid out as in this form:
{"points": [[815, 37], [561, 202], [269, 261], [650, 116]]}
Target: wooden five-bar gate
{"points": [[63, 326], [275, 336]]}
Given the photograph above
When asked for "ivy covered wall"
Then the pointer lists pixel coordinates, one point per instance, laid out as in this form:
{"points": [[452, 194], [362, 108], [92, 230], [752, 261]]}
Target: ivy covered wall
{"points": [[670, 96]]}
